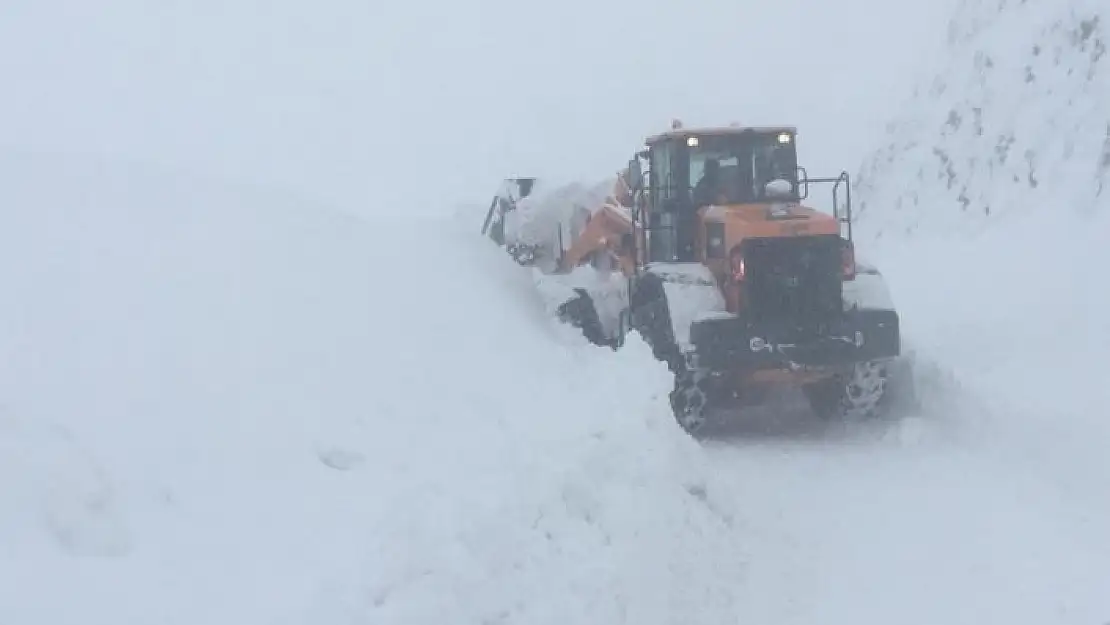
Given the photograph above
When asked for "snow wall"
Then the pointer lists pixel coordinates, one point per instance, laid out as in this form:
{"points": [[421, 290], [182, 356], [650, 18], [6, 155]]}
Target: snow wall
{"points": [[988, 210], [220, 406]]}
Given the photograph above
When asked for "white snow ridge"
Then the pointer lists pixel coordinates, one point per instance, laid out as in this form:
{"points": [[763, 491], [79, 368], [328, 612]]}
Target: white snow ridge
{"points": [[218, 413]]}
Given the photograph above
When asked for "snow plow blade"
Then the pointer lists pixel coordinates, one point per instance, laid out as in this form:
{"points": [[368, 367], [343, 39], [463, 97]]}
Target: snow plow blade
{"points": [[512, 191], [504, 202]]}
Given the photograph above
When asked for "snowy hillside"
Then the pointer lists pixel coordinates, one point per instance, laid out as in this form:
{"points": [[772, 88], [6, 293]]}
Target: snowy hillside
{"points": [[1017, 120], [222, 407], [987, 208]]}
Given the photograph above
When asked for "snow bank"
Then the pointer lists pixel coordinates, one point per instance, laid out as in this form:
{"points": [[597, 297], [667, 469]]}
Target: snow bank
{"points": [[986, 210], [219, 406], [988, 213], [1018, 316]]}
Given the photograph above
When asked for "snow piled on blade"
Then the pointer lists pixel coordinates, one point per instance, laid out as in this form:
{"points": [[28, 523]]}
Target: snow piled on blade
{"points": [[219, 406], [550, 219], [554, 210]]}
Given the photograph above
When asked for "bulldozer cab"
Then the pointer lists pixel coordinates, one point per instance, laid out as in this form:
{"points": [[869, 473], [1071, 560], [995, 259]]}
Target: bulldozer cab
{"points": [[689, 169], [737, 168]]}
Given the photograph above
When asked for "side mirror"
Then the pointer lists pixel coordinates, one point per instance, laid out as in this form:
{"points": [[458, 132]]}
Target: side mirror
{"points": [[803, 183], [635, 174]]}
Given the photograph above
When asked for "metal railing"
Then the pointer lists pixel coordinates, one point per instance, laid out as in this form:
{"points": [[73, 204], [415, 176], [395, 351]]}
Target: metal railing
{"points": [[845, 216]]}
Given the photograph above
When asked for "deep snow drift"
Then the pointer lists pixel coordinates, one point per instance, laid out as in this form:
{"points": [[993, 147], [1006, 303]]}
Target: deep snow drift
{"points": [[219, 407], [989, 208]]}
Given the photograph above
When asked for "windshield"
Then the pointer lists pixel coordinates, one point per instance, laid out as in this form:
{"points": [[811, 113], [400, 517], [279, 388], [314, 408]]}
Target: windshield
{"points": [[735, 169]]}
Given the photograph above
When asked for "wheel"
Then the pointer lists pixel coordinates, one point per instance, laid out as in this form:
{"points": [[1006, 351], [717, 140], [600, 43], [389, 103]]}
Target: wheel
{"points": [[689, 400], [580, 313], [857, 395], [651, 318]]}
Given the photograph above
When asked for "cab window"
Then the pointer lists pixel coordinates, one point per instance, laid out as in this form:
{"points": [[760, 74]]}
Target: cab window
{"points": [[662, 178]]}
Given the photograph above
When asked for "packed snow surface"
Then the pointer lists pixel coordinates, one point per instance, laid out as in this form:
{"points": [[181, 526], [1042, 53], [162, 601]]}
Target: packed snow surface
{"points": [[219, 407]]}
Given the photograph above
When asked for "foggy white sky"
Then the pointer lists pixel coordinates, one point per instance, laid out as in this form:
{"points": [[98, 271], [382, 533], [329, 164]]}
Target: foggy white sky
{"points": [[368, 105]]}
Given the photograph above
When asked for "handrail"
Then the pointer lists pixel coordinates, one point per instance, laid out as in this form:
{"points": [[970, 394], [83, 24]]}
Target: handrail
{"points": [[846, 180]]}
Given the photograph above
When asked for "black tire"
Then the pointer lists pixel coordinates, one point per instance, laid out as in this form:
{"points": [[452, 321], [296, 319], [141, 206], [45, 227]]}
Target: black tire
{"points": [[580, 313], [690, 400], [650, 316], [856, 396]]}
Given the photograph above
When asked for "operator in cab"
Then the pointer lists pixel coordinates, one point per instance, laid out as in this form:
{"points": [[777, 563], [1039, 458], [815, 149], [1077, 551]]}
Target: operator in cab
{"points": [[707, 189]]}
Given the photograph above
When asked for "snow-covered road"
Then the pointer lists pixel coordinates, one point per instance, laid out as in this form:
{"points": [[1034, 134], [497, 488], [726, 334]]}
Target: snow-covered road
{"points": [[921, 529], [222, 408], [993, 505]]}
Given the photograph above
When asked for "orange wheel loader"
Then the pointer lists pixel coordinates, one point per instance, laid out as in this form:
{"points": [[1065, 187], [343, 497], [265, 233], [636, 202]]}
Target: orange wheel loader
{"points": [[724, 270]]}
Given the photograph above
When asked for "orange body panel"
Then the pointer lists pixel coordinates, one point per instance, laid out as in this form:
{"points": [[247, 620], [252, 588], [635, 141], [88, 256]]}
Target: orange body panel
{"points": [[744, 221], [603, 233], [606, 233], [607, 227]]}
